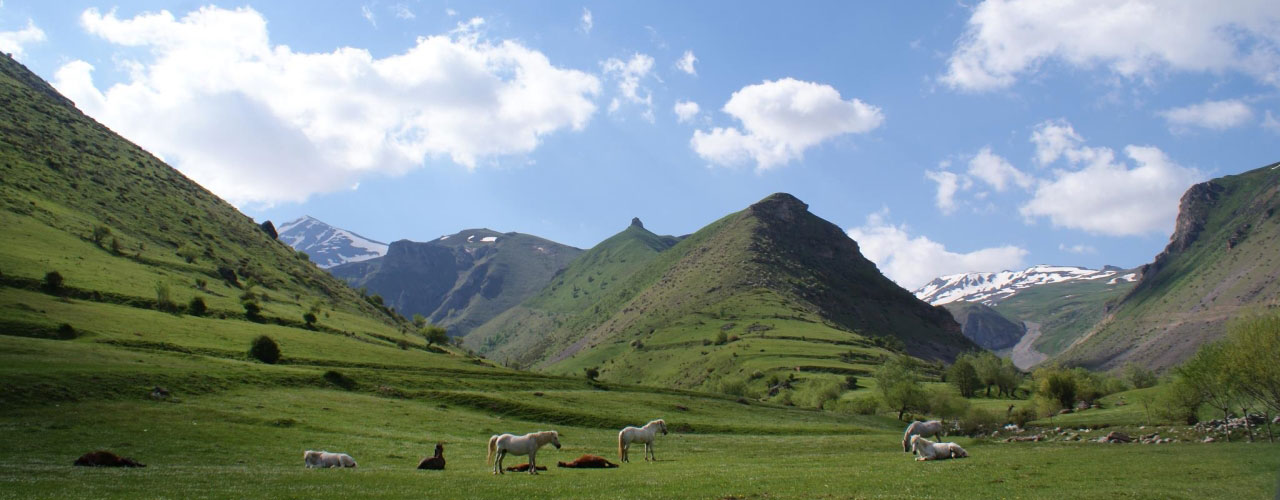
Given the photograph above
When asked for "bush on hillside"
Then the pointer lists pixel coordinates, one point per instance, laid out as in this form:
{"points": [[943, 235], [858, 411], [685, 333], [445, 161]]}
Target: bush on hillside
{"points": [[865, 404], [733, 386], [52, 282], [817, 393], [265, 350], [197, 306], [1022, 414], [339, 379], [591, 372], [252, 311], [164, 299], [309, 318], [1139, 376], [66, 332], [946, 402], [980, 421], [99, 234]]}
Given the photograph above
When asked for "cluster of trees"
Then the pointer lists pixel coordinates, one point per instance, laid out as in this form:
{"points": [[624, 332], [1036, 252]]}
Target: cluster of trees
{"points": [[976, 371], [1239, 372], [431, 333]]}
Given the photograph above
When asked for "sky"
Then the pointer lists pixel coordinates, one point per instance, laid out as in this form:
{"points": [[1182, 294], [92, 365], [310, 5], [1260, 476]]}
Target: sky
{"points": [[943, 137]]}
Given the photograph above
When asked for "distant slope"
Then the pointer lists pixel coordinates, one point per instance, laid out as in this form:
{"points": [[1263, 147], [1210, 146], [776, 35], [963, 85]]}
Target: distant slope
{"points": [[328, 246], [1222, 261], [462, 280], [136, 244], [774, 275], [986, 326], [1065, 301]]}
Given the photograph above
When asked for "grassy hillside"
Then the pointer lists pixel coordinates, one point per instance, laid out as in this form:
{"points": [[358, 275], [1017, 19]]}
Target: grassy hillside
{"points": [[785, 289], [1222, 261], [1065, 311], [463, 280]]}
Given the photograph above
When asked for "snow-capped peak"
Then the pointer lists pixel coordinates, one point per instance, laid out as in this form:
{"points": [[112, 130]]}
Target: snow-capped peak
{"points": [[326, 245], [989, 288]]}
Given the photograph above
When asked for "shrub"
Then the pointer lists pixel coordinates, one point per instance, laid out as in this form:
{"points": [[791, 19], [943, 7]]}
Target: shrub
{"points": [[53, 282], [818, 392], [946, 402], [115, 247], [164, 300], [1179, 402], [435, 335], [339, 379], [591, 372], [757, 374], [1023, 414], [1139, 376], [733, 386], [309, 318], [865, 404], [252, 311], [66, 332], [979, 421], [197, 306], [189, 252], [721, 338], [850, 382], [99, 234], [265, 350]]}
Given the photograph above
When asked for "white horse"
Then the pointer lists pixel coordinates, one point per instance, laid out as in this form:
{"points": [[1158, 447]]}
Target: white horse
{"points": [[929, 450], [324, 459], [644, 434], [527, 444], [918, 428]]}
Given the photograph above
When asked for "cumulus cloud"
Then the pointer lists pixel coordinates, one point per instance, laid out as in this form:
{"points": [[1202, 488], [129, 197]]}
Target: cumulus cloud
{"points": [[629, 75], [686, 111], [1008, 39], [686, 61], [14, 42], [949, 183], [260, 123], [1098, 193], [996, 171], [780, 120], [587, 22], [1213, 115], [1053, 139], [911, 261]]}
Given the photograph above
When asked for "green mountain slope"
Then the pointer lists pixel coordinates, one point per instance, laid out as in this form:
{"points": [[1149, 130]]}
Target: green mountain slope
{"points": [[1064, 311], [462, 280], [791, 287], [1222, 261], [986, 326]]}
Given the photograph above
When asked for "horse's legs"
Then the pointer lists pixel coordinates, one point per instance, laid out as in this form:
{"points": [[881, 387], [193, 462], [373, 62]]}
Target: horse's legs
{"points": [[533, 462], [648, 451], [497, 463], [626, 446]]}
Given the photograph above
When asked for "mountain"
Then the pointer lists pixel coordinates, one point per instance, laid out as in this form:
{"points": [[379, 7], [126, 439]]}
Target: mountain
{"points": [[111, 252], [1221, 262], [986, 326], [790, 288], [1055, 305], [994, 287], [462, 280], [326, 245]]}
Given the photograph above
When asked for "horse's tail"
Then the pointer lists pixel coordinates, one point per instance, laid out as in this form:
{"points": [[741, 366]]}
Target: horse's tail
{"points": [[493, 444], [620, 444]]}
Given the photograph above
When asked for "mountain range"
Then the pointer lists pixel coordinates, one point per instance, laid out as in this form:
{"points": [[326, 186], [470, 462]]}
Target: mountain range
{"points": [[326, 245]]}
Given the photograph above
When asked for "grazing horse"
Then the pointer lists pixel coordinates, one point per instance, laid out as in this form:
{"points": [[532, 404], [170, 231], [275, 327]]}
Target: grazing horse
{"points": [[644, 434], [918, 428], [587, 462], [929, 450], [434, 463], [324, 459], [527, 444]]}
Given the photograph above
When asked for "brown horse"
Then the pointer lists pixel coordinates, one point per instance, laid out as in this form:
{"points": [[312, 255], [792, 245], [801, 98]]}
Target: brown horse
{"points": [[433, 463], [523, 468], [587, 462]]}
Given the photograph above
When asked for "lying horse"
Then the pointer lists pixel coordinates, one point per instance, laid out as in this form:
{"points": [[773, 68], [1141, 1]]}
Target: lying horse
{"points": [[324, 459], [102, 458], [918, 428], [588, 462], [527, 444], [433, 463], [523, 468], [929, 450], [644, 434]]}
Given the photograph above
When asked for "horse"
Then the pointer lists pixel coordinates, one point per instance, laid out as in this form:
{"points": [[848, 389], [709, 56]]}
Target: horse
{"points": [[324, 459], [644, 434], [433, 463], [103, 458], [523, 468], [918, 428], [527, 444], [587, 462], [929, 450]]}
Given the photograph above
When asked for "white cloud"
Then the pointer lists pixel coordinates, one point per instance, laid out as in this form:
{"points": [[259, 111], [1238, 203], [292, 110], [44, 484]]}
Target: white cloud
{"points": [[628, 74], [1270, 122], [686, 61], [402, 11], [996, 171], [257, 123], [948, 184], [450, 12], [1099, 194], [1008, 39], [686, 111], [1213, 115], [368, 15], [780, 120], [14, 42], [1079, 249], [912, 261], [587, 21], [1053, 139]]}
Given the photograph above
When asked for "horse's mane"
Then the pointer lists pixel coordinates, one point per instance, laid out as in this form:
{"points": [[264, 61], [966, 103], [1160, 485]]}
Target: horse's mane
{"points": [[657, 421], [544, 436]]}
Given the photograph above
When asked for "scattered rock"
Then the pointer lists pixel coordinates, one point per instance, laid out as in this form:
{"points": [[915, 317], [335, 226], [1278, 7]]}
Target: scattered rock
{"points": [[1208, 439], [1116, 437]]}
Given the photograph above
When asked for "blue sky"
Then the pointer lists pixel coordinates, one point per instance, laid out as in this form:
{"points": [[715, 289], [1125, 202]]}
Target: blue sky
{"points": [[944, 137]]}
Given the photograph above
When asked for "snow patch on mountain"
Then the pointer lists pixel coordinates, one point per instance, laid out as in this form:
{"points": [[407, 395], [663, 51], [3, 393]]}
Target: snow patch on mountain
{"points": [[993, 287], [328, 246]]}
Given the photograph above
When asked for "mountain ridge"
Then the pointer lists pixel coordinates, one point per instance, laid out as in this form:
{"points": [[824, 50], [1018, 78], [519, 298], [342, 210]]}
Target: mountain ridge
{"points": [[328, 245]]}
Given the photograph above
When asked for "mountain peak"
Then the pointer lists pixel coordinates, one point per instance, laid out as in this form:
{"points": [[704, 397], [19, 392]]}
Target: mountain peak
{"points": [[779, 205], [635, 222]]}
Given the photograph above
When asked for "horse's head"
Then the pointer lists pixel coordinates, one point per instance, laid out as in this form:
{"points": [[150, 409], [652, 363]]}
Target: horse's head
{"points": [[914, 440], [662, 426], [555, 439], [439, 449]]}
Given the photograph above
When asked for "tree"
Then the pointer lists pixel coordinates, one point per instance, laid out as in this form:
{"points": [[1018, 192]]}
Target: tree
{"points": [[164, 299], [963, 375], [898, 386], [99, 234], [1139, 376], [988, 367], [1008, 378], [1253, 346], [1209, 374], [1058, 385], [419, 321], [53, 282], [310, 318], [252, 311], [591, 372], [189, 252], [435, 334], [197, 306], [265, 350]]}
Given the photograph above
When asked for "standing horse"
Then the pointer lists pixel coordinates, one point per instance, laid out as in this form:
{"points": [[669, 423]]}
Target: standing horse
{"points": [[918, 428], [527, 444], [644, 434]]}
